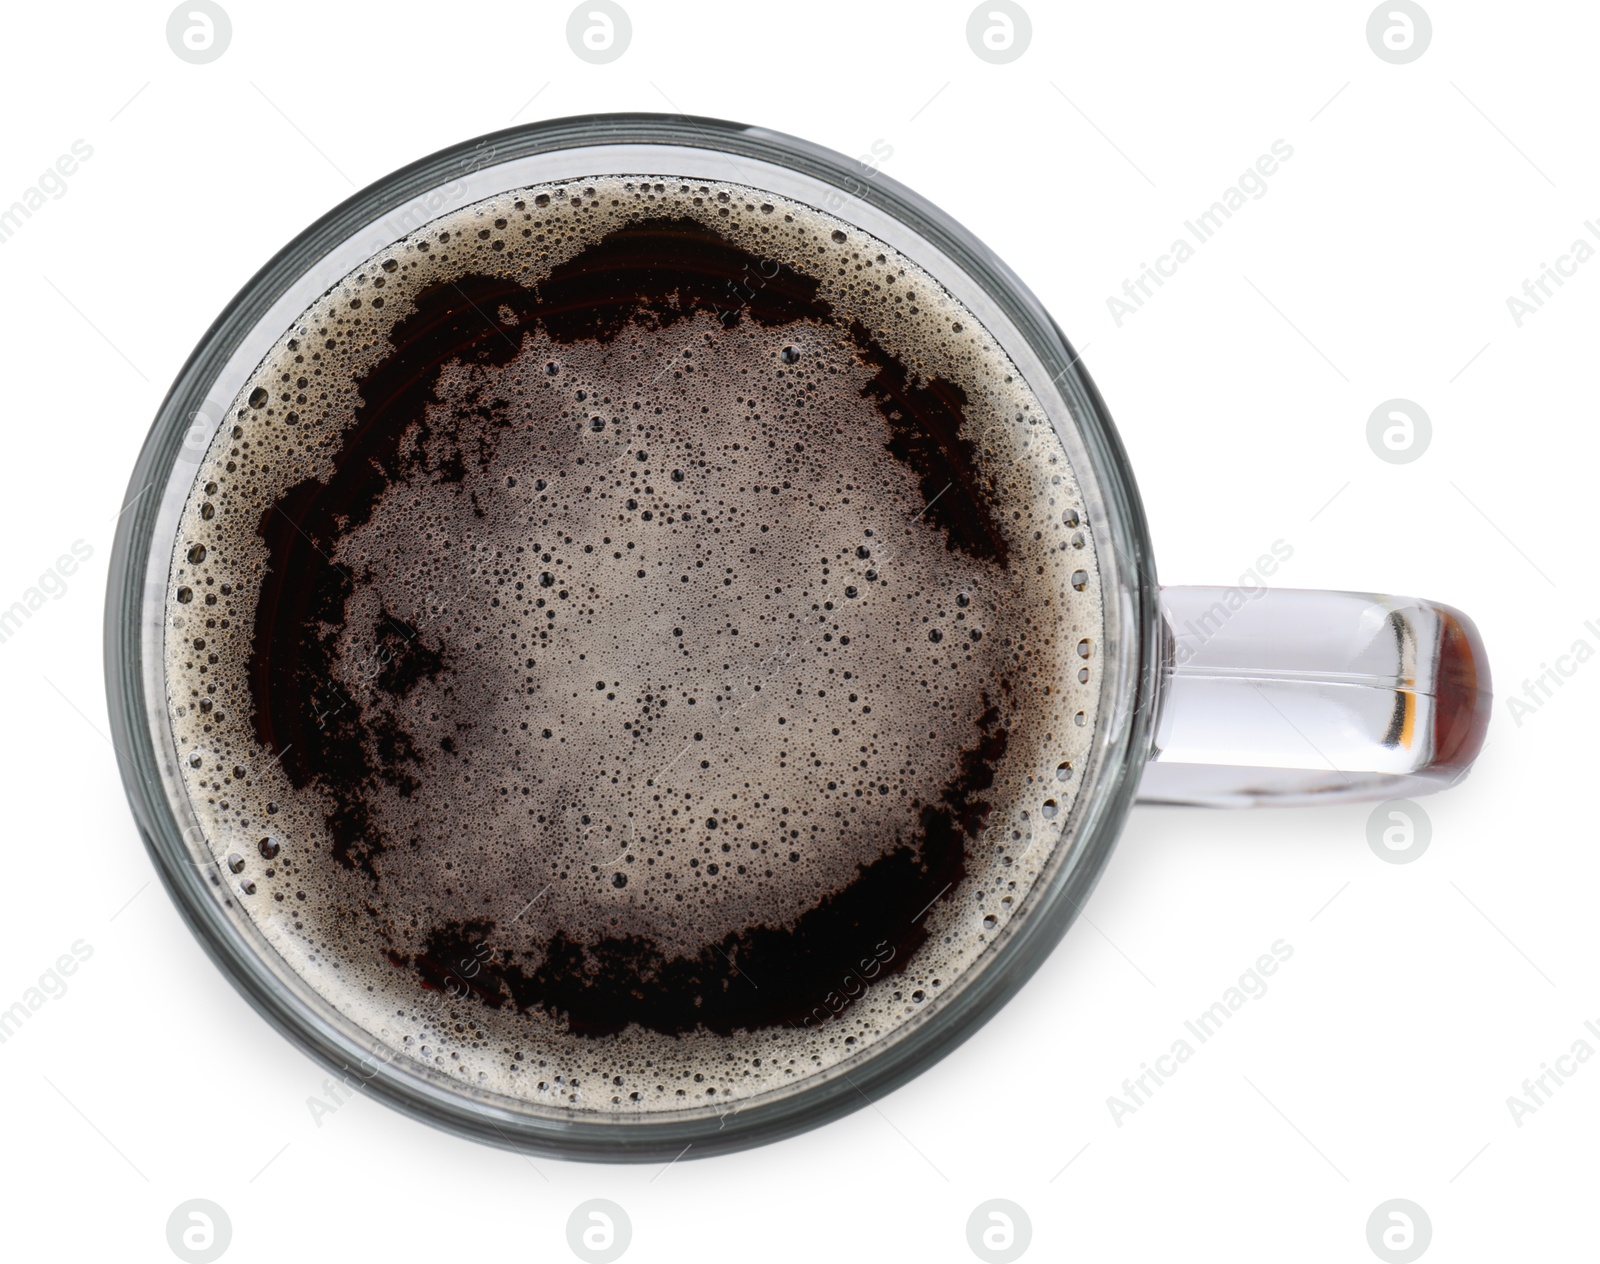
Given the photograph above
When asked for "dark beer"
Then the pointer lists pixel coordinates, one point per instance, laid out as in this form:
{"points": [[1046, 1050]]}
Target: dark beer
{"points": [[630, 643]]}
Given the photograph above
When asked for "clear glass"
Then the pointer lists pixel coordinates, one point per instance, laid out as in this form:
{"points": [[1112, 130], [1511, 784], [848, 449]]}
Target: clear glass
{"points": [[1286, 696], [1200, 686]]}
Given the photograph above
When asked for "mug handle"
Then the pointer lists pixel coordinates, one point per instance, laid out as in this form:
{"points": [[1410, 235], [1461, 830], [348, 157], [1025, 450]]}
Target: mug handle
{"points": [[1289, 696]]}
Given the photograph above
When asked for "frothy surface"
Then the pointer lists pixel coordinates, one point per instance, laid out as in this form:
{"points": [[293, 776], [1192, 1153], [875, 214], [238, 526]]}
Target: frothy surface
{"points": [[628, 642]]}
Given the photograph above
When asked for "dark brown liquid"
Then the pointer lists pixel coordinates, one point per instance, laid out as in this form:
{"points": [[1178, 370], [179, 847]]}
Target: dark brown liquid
{"points": [[650, 275], [624, 649]]}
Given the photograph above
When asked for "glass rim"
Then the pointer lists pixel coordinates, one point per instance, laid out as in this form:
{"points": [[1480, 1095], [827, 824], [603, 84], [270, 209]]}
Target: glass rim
{"points": [[1122, 741]]}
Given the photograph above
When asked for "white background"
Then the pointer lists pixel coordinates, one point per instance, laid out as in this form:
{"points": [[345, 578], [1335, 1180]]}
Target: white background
{"points": [[1379, 1063]]}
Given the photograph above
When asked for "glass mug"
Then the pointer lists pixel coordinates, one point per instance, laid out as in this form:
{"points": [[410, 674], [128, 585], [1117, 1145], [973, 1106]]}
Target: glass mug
{"points": [[1221, 697]]}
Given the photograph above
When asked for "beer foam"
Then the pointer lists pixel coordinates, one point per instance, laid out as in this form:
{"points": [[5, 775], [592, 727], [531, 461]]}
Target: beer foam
{"points": [[605, 616]]}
